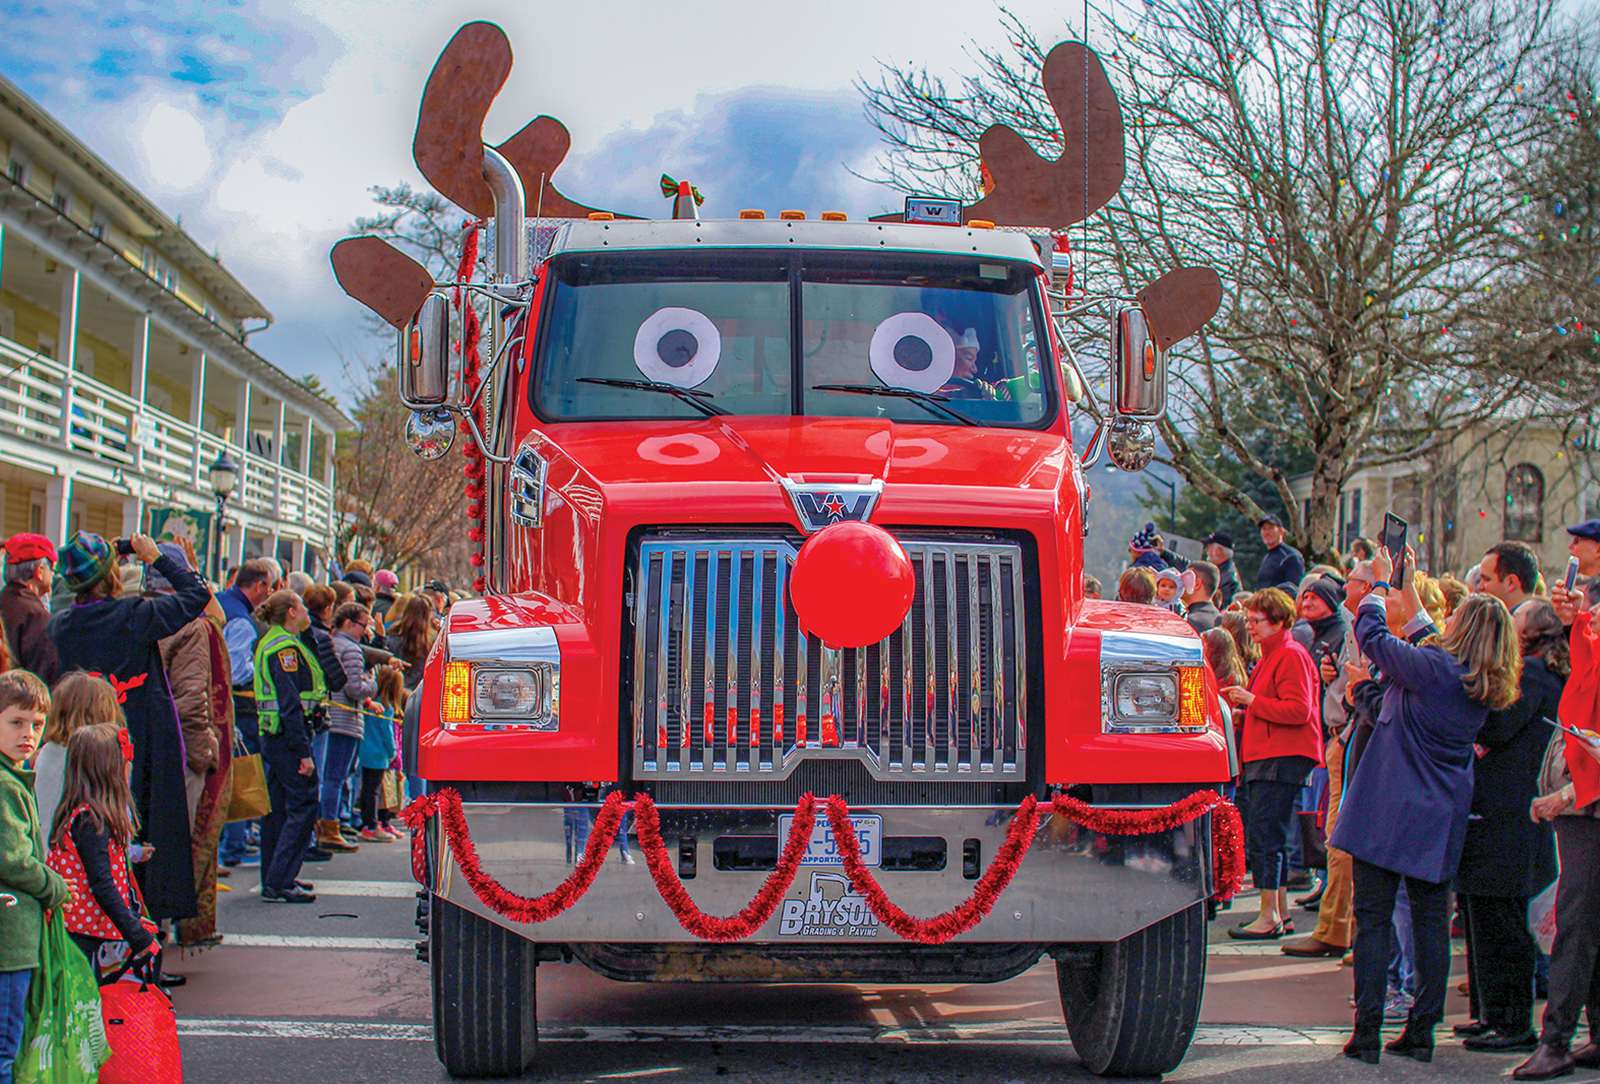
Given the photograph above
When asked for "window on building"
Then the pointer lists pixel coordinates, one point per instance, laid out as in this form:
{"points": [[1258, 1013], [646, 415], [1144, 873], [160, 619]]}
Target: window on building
{"points": [[1353, 524], [61, 201], [17, 170], [1524, 504]]}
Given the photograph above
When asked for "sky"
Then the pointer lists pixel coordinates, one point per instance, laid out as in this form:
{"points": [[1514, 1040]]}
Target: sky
{"points": [[263, 123]]}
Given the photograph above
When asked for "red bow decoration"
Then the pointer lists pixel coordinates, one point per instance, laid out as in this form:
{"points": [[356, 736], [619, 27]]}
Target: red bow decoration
{"points": [[121, 687], [127, 745], [669, 188]]}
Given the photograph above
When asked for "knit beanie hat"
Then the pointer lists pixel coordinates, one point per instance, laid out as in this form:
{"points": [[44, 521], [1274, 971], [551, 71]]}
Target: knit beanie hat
{"points": [[85, 560], [1145, 540], [1327, 589]]}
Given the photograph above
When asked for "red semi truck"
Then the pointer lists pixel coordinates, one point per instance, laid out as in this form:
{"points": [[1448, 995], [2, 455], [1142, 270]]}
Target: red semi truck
{"points": [[671, 409]]}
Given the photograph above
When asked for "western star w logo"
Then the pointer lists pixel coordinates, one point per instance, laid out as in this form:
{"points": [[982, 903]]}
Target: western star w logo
{"points": [[823, 506]]}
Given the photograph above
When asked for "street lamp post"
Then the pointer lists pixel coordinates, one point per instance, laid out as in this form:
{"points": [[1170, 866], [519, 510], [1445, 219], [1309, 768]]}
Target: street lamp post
{"points": [[1172, 490], [224, 475]]}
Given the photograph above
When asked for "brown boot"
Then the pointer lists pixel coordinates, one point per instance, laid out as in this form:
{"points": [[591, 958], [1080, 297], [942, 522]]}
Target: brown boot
{"points": [[1547, 1063], [329, 839]]}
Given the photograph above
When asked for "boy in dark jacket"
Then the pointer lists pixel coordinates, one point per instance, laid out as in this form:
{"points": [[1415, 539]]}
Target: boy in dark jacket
{"points": [[28, 888]]}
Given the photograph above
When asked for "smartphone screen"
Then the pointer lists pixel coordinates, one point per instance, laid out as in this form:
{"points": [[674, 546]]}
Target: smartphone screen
{"points": [[1572, 572], [1394, 540]]}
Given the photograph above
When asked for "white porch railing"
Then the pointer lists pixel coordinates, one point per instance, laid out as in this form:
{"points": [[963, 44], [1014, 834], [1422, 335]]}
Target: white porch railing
{"points": [[110, 426]]}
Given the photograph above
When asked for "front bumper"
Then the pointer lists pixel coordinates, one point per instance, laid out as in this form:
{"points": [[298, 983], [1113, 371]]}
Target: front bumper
{"points": [[1072, 886]]}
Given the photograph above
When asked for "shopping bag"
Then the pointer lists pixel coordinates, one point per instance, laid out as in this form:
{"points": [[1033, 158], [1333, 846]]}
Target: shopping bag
{"points": [[1542, 918], [63, 1040], [250, 799], [1313, 841], [142, 1027], [394, 790]]}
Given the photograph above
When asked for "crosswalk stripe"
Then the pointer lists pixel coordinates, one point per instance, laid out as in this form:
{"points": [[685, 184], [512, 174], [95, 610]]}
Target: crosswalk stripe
{"points": [[386, 889], [292, 941], [1235, 1035]]}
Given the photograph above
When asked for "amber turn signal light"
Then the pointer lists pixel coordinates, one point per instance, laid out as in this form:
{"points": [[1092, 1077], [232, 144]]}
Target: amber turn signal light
{"points": [[455, 704]]}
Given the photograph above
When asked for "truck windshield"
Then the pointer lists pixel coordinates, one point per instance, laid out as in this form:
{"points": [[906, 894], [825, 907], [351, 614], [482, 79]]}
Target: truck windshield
{"points": [[934, 339]]}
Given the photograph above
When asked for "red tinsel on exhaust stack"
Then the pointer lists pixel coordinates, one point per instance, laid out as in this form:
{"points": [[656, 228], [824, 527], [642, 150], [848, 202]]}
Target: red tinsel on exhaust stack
{"points": [[471, 377]]}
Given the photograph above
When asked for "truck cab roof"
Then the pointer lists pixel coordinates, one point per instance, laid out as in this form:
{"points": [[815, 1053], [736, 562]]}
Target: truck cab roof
{"points": [[655, 234]]}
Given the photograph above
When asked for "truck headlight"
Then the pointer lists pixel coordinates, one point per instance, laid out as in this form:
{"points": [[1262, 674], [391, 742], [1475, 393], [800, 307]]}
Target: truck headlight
{"points": [[1151, 698], [502, 679]]}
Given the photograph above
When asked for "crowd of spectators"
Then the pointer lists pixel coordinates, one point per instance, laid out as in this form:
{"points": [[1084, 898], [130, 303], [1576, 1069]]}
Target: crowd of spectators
{"points": [[1400, 731], [124, 641]]}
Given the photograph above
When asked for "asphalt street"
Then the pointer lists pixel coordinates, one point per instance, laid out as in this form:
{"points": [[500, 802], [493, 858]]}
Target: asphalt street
{"points": [[333, 992]]}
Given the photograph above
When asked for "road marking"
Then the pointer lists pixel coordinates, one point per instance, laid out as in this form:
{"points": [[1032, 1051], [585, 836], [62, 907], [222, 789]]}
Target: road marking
{"points": [[387, 889], [1237, 1035], [1275, 948], [289, 941]]}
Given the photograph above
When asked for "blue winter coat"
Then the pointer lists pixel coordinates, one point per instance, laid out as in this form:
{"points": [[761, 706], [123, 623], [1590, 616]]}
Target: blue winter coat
{"points": [[377, 741], [1405, 806]]}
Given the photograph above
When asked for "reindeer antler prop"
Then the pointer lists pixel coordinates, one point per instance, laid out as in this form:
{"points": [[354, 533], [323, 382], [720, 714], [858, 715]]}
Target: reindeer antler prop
{"points": [[448, 149]]}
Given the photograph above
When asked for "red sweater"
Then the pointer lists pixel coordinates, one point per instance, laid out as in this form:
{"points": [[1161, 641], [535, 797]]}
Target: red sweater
{"points": [[1282, 721]]}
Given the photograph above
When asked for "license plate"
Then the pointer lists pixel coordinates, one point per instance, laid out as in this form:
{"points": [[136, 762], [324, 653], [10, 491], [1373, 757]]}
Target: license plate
{"points": [[824, 851]]}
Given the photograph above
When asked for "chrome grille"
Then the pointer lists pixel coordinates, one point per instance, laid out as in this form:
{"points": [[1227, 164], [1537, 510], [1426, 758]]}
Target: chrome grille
{"points": [[724, 682]]}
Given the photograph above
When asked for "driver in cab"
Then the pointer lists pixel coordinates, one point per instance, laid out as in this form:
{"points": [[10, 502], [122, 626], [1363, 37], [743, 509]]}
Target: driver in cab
{"points": [[964, 382]]}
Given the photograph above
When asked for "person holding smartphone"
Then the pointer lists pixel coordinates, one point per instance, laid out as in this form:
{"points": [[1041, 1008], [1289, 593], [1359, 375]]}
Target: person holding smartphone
{"points": [[1404, 816], [120, 638]]}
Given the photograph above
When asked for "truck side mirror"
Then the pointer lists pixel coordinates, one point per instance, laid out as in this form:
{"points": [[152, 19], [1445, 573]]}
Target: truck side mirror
{"points": [[424, 356], [1141, 368]]}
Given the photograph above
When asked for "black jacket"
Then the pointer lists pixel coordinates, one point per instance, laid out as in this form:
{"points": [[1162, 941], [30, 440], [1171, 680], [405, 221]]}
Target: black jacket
{"points": [[1282, 567], [318, 639], [1227, 582], [121, 639], [1507, 854]]}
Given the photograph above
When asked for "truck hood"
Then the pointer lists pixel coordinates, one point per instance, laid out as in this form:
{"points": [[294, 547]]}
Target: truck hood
{"points": [[739, 452]]}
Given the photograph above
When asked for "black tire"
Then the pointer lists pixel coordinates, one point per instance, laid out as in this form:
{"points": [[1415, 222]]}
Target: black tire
{"points": [[485, 1022], [1132, 1006]]}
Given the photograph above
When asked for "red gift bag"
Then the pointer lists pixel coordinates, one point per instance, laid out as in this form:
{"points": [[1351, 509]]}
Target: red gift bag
{"points": [[142, 1027]]}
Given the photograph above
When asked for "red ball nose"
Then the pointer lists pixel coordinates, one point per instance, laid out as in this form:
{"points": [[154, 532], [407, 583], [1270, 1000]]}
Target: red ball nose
{"points": [[852, 584]]}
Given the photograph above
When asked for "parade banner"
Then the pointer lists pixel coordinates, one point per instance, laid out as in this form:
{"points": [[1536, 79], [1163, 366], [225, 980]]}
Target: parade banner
{"points": [[171, 524]]}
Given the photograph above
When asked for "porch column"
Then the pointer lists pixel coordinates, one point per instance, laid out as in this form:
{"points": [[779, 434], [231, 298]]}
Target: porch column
{"points": [[277, 467], [67, 347], [139, 381], [241, 437], [297, 555], [57, 505], [197, 417]]}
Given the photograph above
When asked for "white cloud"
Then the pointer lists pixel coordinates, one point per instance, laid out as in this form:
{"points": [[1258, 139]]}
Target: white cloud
{"points": [[174, 149]]}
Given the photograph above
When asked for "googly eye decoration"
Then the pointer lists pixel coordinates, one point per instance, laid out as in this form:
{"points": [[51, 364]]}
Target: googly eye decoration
{"points": [[676, 346], [910, 350]]}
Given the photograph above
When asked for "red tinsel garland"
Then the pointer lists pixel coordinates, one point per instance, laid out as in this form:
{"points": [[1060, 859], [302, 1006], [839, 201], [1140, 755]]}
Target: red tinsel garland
{"points": [[447, 804], [1227, 843], [1227, 834], [957, 920], [471, 377], [756, 913]]}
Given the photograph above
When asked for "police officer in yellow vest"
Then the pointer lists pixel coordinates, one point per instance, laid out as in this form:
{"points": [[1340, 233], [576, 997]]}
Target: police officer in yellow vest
{"points": [[289, 690]]}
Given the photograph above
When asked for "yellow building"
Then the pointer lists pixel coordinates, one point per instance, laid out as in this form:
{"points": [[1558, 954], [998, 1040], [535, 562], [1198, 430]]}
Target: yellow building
{"points": [[1514, 482], [125, 369]]}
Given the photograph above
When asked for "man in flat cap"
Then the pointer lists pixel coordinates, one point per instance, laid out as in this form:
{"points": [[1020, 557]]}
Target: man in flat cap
{"points": [[30, 571], [1585, 546], [1219, 551]]}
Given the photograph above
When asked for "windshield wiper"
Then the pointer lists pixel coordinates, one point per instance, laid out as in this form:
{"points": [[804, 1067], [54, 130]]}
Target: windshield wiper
{"points": [[935, 403], [693, 398]]}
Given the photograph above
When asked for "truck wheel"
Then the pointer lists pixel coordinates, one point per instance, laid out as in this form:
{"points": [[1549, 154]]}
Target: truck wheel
{"points": [[484, 1019], [1132, 1006]]}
